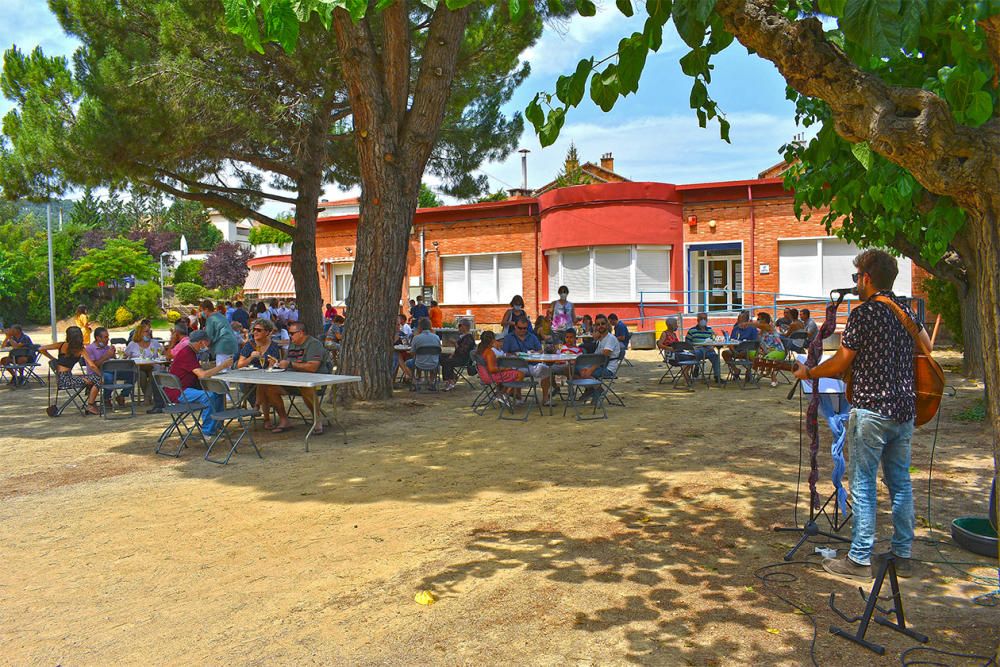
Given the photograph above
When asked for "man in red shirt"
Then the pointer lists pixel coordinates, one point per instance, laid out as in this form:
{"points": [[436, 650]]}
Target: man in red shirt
{"points": [[186, 368]]}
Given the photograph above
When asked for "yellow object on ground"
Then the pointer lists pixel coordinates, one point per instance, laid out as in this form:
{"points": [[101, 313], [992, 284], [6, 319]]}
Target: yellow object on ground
{"points": [[424, 597]]}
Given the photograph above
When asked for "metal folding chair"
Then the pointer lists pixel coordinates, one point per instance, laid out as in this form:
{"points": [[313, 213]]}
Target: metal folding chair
{"points": [[576, 383], [124, 377], [179, 412], [742, 361], [23, 371], [671, 371], [685, 361], [74, 397], [528, 385], [423, 369], [609, 379], [242, 416], [487, 395], [466, 370]]}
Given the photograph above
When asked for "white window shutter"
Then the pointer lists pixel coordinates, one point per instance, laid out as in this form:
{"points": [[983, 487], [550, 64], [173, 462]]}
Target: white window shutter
{"points": [[482, 280], [838, 264], [652, 272], [509, 278], [799, 268], [552, 261], [576, 273], [456, 290], [613, 279]]}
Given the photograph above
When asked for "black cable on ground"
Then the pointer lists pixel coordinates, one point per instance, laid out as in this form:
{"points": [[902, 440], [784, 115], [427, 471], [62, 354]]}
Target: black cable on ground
{"points": [[769, 575], [990, 662]]}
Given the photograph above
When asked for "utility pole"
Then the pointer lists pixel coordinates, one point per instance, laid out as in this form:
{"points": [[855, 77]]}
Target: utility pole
{"points": [[52, 279]]}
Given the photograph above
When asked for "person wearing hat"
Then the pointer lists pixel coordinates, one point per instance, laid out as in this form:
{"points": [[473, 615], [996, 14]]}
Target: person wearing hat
{"points": [[188, 371]]}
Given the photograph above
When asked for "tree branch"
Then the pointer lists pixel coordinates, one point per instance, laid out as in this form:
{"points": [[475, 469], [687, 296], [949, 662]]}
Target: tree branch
{"points": [[911, 127], [220, 201], [433, 87], [201, 185], [950, 267]]}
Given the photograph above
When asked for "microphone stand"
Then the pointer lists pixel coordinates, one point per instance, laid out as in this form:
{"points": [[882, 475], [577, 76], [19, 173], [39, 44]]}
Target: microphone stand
{"points": [[811, 528]]}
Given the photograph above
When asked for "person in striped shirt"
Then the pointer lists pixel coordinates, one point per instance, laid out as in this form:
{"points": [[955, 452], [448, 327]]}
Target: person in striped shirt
{"points": [[702, 333]]}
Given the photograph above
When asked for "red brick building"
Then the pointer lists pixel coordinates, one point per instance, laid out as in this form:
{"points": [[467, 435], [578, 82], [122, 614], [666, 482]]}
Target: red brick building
{"points": [[639, 249]]}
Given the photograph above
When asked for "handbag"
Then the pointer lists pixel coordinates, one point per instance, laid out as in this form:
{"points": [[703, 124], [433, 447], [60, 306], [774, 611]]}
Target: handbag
{"points": [[928, 377]]}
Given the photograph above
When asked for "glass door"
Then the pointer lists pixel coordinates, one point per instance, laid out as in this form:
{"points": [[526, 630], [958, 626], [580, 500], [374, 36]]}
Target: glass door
{"points": [[718, 272]]}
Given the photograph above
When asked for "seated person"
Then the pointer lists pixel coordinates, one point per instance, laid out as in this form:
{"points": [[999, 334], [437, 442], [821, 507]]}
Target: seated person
{"points": [[743, 330], [702, 333], [281, 336], [241, 333], [586, 334], [608, 345], [569, 346], [543, 329], [260, 352], [186, 368], [781, 324], [20, 344], [489, 371], [669, 336], [425, 336], [70, 352], [770, 343], [178, 339], [101, 351], [619, 329], [808, 325], [334, 336], [305, 355], [522, 340], [795, 325], [144, 347], [460, 357]]}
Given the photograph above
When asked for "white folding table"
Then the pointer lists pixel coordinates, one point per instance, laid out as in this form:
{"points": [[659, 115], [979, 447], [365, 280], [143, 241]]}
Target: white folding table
{"points": [[294, 379]]}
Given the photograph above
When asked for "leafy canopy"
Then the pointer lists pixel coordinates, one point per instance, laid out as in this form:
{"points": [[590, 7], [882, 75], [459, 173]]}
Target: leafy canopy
{"points": [[119, 258]]}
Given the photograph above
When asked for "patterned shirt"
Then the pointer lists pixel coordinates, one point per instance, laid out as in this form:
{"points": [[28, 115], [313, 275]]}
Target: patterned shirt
{"points": [[882, 372], [696, 335]]}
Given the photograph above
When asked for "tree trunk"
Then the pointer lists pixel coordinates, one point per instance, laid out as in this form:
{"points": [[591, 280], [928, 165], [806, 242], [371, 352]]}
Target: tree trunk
{"points": [[986, 233], [308, 297], [972, 333]]}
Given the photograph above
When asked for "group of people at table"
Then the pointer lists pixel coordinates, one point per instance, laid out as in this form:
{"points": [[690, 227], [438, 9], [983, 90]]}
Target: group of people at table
{"points": [[191, 355], [559, 331], [772, 338]]}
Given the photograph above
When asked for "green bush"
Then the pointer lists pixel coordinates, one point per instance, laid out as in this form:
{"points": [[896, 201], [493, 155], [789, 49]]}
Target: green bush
{"points": [[106, 314], [265, 234], [144, 301], [189, 271], [942, 298], [124, 317], [189, 293]]}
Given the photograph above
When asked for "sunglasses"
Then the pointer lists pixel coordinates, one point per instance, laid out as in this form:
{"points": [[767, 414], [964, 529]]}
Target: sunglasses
{"points": [[296, 331], [257, 329], [521, 328], [855, 276]]}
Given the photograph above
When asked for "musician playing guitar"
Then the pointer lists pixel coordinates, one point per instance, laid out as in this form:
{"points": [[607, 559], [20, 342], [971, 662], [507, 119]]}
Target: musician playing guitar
{"points": [[879, 351]]}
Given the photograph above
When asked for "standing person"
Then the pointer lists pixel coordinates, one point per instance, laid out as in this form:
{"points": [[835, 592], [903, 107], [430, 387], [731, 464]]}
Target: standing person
{"points": [[230, 309], [193, 320], [702, 333], [436, 315], [305, 355], [291, 312], [418, 311], [223, 342], [513, 314], [808, 324], [82, 320], [241, 315], [330, 313], [70, 352], [563, 312], [879, 351]]}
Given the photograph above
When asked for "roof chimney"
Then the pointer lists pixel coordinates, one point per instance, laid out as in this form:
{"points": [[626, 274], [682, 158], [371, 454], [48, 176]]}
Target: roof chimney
{"points": [[608, 162], [524, 168]]}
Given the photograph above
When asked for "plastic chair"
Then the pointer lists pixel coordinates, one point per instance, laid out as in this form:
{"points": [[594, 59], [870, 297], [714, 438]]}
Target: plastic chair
{"points": [[124, 377], [242, 416], [179, 412], [576, 383]]}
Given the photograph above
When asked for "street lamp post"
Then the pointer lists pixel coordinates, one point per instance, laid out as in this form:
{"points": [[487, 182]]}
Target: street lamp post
{"points": [[163, 293]]}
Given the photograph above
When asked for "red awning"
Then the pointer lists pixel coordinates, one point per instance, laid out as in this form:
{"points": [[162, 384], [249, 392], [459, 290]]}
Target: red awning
{"points": [[270, 280]]}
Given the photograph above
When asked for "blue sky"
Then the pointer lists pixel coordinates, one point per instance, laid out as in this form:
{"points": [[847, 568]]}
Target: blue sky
{"points": [[652, 134]]}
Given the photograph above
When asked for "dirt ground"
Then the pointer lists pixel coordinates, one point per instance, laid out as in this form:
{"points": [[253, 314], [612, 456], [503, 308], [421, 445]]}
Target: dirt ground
{"points": [[629, 541]]}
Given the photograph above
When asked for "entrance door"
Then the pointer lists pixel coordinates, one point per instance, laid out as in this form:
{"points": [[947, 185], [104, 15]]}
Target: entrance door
{"points": [[718, 281], [718, 273]]}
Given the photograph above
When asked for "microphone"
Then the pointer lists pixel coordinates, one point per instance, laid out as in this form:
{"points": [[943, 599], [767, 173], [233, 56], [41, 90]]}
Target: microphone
{"points": [[844, 291]]}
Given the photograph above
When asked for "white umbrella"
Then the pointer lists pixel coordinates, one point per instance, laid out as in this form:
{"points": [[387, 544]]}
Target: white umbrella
{"points": [[184, 245]]}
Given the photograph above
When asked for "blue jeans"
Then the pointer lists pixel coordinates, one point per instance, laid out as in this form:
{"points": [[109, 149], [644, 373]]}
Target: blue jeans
{"points": [[709, 353], [872, 438], [210, 401]]}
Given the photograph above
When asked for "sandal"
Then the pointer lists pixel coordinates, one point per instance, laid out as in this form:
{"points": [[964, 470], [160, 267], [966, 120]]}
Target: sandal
{"points": [[282, 429], [92, 410]]}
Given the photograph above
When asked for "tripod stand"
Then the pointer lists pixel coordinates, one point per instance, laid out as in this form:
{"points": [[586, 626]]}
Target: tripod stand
{"points": [[811, 528]]}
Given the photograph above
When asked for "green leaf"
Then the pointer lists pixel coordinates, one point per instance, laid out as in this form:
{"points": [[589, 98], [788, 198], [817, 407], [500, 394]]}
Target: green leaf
{"points": [[604, 89], [691, 19], [724, 130], [980, 108], [578, 83], [659, 10], [241, 19], [550, 130], [875, 25], [863, 153], [699, 96], [586, 7], [652, 31], [534, 114], [695, 62], [625, 7], [281, 25], [832, 7], [631, 61]]}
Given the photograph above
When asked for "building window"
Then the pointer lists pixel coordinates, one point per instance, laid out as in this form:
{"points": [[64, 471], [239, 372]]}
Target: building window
{"points": [[610, 273], [469, 279], [814, 267], [340, 282]]}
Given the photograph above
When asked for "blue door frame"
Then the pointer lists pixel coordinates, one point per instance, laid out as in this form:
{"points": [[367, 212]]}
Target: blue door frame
{"points": [[701, 247]]}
